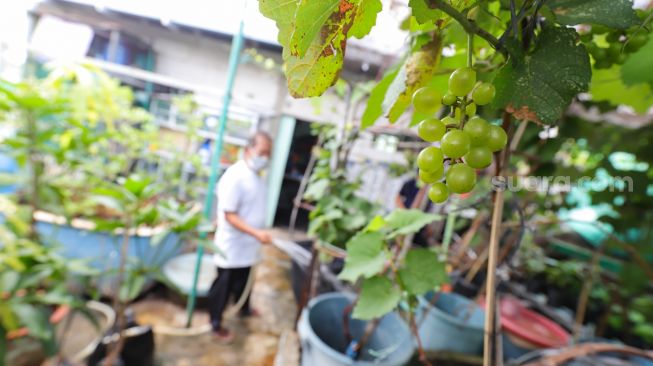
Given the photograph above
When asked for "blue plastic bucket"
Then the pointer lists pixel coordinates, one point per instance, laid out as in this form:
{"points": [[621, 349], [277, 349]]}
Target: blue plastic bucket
{"points": [[323, 340], [454, 323], [102, 250]]}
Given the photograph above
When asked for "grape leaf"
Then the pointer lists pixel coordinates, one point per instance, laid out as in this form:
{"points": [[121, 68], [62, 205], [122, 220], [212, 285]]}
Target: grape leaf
{"points": [[422, 271], [365, 18], [607, 85], [373, 110], [310, 17], [378, 297], [638, 66], [540, 86], [415, 73], [366, 255], [422, 12], [611, 13], [314, 44], [283, 14], [403, 222]]}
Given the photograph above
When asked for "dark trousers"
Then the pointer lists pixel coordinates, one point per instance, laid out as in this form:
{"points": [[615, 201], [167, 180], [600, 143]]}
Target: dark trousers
{"points": [[230, 281]]}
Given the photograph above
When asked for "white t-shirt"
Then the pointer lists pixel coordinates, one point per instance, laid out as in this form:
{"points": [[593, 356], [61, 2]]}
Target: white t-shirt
{"points": [[242, 191]]}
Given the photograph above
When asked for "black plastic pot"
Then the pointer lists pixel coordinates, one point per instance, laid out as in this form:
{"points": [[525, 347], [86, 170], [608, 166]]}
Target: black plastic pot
{"points": [[138, 349]]}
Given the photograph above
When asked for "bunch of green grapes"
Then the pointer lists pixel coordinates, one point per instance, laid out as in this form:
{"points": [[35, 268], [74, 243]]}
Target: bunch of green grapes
{"points": [[465, 144], [621, 43]]}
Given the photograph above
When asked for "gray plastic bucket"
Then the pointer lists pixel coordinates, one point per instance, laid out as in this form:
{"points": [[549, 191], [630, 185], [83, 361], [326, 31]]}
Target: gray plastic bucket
{"points": [[323, 341], [454, 323]]}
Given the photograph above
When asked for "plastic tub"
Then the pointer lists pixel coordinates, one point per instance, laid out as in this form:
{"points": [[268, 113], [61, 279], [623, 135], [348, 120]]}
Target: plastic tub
{"points": [[321, 334], [454, 323], [181, 269], [525, 330]]}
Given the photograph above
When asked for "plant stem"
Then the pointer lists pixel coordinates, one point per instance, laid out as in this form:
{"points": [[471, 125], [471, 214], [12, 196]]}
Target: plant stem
{"points": [[420, 348], [470, 27], [118, 302], [583, 300]]}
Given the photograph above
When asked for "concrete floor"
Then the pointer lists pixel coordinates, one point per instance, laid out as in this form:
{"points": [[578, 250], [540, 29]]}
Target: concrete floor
{"points": [[257, 339]]}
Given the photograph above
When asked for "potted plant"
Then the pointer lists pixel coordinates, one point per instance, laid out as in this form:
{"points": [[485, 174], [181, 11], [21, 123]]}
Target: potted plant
{"points": [[388, 272], [37, 300], [68, 125]]}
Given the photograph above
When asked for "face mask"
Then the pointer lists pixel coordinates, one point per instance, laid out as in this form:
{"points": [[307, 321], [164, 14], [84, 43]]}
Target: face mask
{"points": [[257, 163]]}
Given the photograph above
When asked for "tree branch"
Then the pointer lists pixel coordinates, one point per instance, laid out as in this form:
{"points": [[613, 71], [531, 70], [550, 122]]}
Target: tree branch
{"points": [[470, 27]]}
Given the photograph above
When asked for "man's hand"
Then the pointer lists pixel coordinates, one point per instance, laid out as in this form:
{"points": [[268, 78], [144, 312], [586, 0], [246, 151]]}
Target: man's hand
{"points": [[263, 236]]}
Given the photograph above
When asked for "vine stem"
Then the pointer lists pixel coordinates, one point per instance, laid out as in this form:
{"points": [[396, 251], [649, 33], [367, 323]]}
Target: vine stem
{"points": [[470, 27], [420, 348]]}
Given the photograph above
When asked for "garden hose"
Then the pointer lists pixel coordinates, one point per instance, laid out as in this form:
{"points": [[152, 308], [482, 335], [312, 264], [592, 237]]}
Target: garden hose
{"points": [[294, 250]]}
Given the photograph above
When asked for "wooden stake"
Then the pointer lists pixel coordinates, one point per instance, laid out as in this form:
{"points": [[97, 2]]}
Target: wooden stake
{"points": [[489, 354]]}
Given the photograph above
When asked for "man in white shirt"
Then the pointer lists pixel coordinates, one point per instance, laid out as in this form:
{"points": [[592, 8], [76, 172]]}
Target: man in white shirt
{"points": [[241, 219]]}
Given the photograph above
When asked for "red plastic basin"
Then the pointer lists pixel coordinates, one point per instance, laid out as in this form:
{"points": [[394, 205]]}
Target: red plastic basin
{"points": [[530, 326]]}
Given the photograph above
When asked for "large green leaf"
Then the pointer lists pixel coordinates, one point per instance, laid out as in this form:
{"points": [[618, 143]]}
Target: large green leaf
{"points": [[638, 68], [415, 73], [378, 297], [422, 271], [608, 86], [366, 256], [34, 319], [542, 85], [313, 43], [374, 109], [403, 222], [309, 19], [365, 17], [611, 13]]}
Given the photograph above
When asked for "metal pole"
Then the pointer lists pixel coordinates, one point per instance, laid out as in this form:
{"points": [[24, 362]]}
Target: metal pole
{"points": [[234, 59]]}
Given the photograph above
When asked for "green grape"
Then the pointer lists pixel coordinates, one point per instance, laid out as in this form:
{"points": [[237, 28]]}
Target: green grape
{"points": [[614, 51], [477, 130], [483, 93], [636, 41], [496, 138], [602, 64], [597, 52], [470, 109], [431, 177], [478, 157], [613, 37], [426, 100], [438, 192], [455, 143], [430, 159], [449, 99], [621, 59], [461, 178], [462, 81], [448, 120], [431, 129]]}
